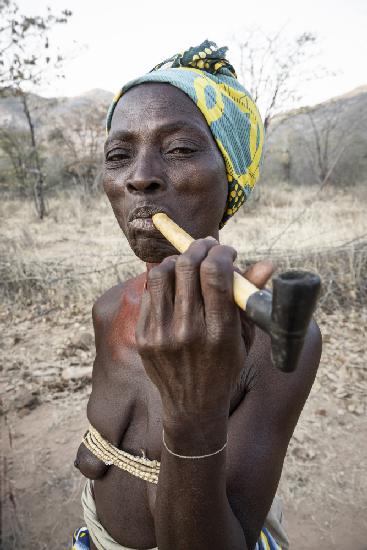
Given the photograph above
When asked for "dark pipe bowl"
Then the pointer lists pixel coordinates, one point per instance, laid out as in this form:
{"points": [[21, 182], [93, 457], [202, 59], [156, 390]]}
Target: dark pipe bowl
{"points": [[295, 295]]}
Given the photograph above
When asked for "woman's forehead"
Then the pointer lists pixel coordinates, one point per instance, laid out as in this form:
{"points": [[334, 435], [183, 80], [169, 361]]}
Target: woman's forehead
{"points": [[161, 102]]}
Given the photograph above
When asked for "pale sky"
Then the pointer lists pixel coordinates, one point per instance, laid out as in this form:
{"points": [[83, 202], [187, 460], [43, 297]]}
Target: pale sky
{"points": [[118, 39]]}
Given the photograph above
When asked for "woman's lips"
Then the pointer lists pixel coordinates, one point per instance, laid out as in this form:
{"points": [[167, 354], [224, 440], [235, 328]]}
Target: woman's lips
{"points": [[140, 223], [143, 230], [143, 224]]}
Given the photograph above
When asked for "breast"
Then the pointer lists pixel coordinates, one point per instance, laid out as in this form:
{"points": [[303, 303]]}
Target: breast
{"points": [[123, 509], [125, 407]]}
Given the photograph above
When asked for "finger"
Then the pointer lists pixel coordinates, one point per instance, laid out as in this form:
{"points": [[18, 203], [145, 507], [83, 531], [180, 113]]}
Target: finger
{"points": [[142, 325], [188, 298], [259, 273], [216, 277], [161, 287]]}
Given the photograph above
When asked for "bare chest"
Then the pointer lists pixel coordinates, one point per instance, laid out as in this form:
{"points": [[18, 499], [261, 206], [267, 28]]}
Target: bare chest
{"points": [[125, 407]]}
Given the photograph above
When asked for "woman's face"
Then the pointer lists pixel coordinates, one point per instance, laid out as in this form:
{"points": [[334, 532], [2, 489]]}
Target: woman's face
{"points": [[161, 157]]}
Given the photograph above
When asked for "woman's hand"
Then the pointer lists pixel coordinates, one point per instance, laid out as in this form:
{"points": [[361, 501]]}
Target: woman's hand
{"points": [[189, 330]]}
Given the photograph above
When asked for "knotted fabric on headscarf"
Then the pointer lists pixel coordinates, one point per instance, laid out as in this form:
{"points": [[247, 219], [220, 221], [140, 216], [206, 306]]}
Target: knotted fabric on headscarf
{"points": [[208, 78]]}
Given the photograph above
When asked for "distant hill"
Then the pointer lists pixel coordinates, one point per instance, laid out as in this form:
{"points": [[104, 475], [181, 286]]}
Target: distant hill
{"points": [[332, 133], [47, 110], [291, 144], [70, 133]]}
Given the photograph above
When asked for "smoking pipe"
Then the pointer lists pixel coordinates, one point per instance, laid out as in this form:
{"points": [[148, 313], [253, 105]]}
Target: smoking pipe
{"points": [[284, 313]]}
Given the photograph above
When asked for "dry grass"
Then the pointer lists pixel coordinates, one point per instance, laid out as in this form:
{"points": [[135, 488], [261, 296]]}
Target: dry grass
{"points": [[79, 251], [74, 254], [321, 219]]}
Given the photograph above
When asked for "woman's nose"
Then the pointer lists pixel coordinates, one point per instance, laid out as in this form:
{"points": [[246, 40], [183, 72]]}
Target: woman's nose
{"points": [[146, 177], [144, 185]]}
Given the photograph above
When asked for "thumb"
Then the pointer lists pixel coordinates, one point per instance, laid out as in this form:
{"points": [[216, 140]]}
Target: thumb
{"points": [[259, 273]]}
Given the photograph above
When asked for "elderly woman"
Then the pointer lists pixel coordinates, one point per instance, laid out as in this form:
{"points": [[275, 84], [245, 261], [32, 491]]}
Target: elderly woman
{"points": [[189, 420]]}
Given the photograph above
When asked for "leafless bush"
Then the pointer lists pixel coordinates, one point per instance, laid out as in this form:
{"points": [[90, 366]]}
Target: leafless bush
{"points": [[343, 271], [52, 282], [75, 254]]}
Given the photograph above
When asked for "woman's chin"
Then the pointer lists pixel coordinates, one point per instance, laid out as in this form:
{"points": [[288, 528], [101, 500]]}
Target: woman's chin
{"points": [[152, 250]]}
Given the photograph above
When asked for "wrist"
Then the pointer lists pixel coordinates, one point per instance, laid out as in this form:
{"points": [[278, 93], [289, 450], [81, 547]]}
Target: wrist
{"points": [[195, 434]]}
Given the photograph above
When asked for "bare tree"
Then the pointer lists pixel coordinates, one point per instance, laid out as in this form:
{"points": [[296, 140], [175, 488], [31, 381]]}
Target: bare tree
{"points": [[330, 134], [272, 67], [80, 143], [15, 165], [24, 57], [328, 139]]}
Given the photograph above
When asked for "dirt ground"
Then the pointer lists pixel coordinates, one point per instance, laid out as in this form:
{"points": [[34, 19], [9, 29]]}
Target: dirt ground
{"points": [[47, 352]]}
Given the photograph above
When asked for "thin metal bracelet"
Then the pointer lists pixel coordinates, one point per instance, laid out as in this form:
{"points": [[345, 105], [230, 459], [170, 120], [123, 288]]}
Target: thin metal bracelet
{"points": [[194, 457]]}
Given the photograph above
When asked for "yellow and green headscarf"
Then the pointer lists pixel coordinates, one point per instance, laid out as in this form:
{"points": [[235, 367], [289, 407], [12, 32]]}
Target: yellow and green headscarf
{"points": [[207, 77]]}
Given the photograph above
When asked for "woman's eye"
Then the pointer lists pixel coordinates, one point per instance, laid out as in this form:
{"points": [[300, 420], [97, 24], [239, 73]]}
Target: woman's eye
{"points": [[181, 151], [117, 155]]}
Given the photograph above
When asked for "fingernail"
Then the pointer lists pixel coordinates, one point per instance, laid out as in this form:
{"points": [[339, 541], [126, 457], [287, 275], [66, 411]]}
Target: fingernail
{"points": [[211, 238]]}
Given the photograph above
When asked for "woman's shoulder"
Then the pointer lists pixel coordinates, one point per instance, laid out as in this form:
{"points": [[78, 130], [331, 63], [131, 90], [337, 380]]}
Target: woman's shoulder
{"points": [[111, 301]]}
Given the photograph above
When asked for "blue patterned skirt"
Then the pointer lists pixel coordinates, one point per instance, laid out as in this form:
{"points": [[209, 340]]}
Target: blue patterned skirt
{"points": [[266, 541]]}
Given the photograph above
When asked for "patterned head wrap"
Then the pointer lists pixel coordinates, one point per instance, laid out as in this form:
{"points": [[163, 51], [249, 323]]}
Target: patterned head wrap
{"points": [[206, 76]]}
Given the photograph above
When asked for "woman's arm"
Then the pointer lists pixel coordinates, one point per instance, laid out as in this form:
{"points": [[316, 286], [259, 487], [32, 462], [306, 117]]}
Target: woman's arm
{"points": [[192, 508], [189, 338]]}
